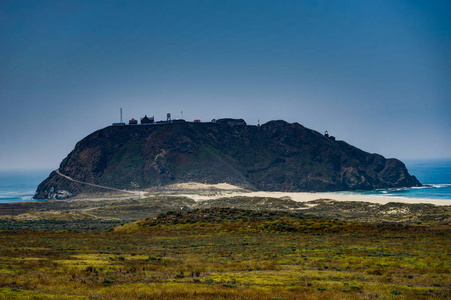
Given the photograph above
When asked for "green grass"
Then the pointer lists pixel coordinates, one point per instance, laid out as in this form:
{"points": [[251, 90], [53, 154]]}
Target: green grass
{"points": [[104, 214], [229, 254]]}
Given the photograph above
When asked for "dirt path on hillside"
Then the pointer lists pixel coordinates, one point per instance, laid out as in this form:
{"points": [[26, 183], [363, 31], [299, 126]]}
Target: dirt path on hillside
{"points": [[136, 193]]}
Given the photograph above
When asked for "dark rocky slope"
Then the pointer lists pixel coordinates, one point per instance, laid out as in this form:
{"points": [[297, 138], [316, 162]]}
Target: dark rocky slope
{"points": [[278, 156]]}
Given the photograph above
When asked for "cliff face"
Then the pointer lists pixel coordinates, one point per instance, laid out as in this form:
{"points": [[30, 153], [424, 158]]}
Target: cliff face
{"points": [[278, 156]]}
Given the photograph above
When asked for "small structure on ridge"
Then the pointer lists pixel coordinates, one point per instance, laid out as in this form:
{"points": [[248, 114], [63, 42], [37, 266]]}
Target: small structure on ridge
{"points": [[147, 120], [121, 123]]}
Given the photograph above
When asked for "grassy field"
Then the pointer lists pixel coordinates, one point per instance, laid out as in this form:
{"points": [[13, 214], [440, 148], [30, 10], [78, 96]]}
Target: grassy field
{"points": [[100, 215], [223, 253]]}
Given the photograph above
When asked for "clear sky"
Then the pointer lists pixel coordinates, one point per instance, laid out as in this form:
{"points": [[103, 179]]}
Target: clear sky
{"points": [[376, 74]]}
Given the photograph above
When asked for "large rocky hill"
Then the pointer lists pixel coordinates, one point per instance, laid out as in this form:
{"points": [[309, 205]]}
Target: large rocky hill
{"points": [[277, 156]]}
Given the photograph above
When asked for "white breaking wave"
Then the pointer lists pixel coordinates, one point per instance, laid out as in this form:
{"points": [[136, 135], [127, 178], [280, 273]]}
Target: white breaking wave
{"points": [[20, 194], [441, 185]]}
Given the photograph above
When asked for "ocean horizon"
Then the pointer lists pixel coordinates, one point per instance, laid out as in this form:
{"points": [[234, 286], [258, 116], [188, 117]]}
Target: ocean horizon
{"points": [[20, 185]]}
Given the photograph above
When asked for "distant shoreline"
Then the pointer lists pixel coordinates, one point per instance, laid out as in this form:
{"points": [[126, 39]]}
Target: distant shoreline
{"points": [[218, 191], [310, 196]]}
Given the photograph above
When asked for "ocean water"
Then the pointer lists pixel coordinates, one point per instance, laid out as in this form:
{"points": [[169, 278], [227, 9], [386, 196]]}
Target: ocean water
{"points": [[435, 174], [20, 186]]}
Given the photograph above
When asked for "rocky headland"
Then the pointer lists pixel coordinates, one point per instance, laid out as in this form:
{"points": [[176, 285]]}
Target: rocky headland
{"points": [[276, 156]]}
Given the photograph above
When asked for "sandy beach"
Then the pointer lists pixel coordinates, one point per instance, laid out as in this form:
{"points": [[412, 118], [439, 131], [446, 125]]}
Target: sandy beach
{"points": [[223, 190]]}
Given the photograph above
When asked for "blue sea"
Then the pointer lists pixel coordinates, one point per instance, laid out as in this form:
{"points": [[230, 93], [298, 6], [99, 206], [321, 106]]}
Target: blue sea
{"points": [[20, 186], [436, 174]]}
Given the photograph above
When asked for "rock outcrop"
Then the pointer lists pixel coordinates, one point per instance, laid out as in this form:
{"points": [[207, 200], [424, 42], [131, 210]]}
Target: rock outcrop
{"points": [[277, 156]]}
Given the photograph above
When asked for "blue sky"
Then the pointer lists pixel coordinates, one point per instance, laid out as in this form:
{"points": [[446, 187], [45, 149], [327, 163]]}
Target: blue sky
{"points": [[376, 74]]}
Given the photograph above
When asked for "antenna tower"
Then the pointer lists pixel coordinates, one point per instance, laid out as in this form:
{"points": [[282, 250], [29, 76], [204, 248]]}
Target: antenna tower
{"points": [[121, 115]]}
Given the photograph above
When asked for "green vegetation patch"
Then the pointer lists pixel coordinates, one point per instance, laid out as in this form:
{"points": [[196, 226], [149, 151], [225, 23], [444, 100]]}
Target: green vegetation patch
{"points": [[220, 253]]}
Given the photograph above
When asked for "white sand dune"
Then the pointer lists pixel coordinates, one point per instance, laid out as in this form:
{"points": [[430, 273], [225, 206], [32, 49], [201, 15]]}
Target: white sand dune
{"points": [[227, 190]]}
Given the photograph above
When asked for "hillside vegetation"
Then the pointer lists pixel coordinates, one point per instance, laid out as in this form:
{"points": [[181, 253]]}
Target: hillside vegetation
{"points": [[277, 156]]}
